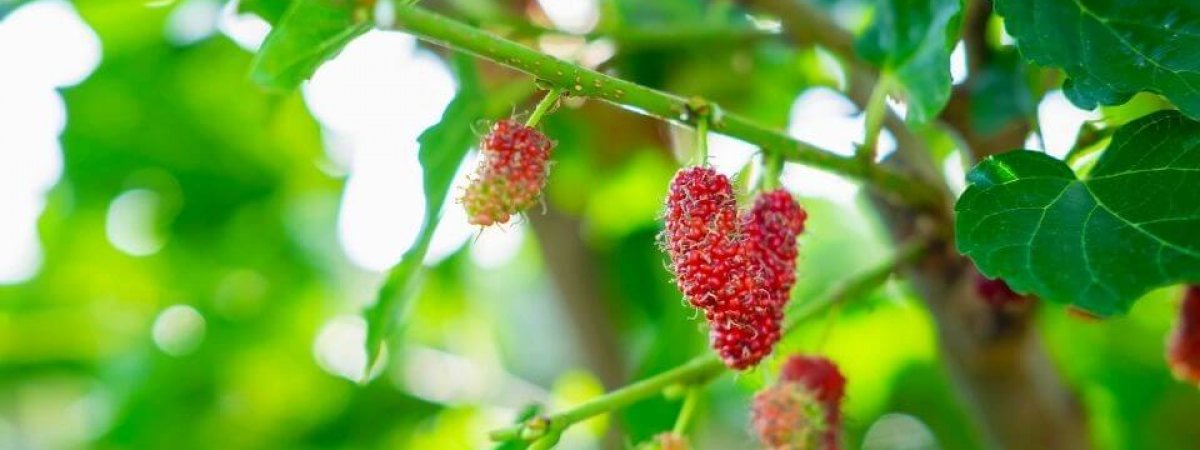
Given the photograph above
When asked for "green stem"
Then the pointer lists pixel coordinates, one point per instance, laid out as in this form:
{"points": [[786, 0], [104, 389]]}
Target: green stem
{"points": [[703, 368], [696, 370], [687, 410], [772, 170], [580, 81], [543, 106], [876, 109]]}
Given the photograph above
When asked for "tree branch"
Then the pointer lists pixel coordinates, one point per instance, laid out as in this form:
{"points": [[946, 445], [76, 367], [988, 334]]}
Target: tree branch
{"points": [[703, 368], [580, 81]]}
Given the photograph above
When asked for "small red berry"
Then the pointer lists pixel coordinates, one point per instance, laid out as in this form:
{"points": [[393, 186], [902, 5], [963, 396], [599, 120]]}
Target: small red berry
{"points": [[787, 416], [771, 228], [512, 170], [701, 234], [1183, 344], [820, 377]]}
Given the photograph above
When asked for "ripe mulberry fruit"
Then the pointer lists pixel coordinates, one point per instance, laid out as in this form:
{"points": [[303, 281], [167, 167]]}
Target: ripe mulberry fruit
{"points": [[803, 410], [1183, 344], [738, 269], [701, 234], [771, 228], [745, 332], [512, 170]]}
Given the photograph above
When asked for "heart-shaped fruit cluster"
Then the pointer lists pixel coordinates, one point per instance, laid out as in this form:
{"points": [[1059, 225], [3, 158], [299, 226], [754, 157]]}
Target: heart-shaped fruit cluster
{"points": [[738, 269]]}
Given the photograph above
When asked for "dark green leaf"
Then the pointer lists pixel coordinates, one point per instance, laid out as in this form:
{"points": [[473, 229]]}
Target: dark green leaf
{"points": [[311, 32], [911, 41], [1099, 243], [1113, 49], [443, 147]]}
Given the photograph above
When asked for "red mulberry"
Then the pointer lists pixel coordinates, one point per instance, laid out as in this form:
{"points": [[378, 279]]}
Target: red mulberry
{"points": [[701, 233], [1183, 345], [802, 410], [787, 417], [771, 228], [738, 270], [512, 170]]}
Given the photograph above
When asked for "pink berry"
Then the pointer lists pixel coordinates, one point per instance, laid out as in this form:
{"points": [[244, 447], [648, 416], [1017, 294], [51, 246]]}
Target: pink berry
{"points": [[512, 170]]}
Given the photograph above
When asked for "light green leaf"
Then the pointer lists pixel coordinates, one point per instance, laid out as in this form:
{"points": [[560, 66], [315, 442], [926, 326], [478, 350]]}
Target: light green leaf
{"points": [[1113, 49], [443, 147], [1099, 243], [310, 33], [911, 41]]}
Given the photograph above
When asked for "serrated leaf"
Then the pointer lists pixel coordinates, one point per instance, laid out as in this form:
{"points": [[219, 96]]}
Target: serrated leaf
{"points": [[1113, 49], [443, 147], [1099, 243], [911, 41], [310, 33]]}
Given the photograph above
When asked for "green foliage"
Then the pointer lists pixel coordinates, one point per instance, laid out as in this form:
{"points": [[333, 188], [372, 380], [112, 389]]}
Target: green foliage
{"points": [[443, 147], [308, 34], [1098, 242], [1112, 49], [911, 41]]}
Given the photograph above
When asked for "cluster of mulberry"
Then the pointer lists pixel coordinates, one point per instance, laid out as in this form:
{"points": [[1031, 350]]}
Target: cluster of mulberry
{"points": [[803, 410], [512, 169], [738, 270]]}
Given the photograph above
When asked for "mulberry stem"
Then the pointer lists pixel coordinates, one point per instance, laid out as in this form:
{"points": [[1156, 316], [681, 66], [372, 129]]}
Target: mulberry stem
{"points": [[543, 107]]}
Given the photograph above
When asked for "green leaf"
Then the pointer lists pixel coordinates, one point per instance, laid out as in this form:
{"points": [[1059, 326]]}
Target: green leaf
{"points": [[310, 33], [271, 11], [1113, 49], [911, 41], [1099, 243], [443, 147]]}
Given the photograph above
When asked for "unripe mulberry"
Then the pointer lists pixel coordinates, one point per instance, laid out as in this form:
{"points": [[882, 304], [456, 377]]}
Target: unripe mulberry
{"points": [[787, 416], [1183, 344], [512, 170], [821, 379], [818, 374]]}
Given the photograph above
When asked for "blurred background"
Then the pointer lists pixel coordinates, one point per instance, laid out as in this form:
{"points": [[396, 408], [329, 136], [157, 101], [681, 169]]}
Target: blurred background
{"points": [[184, 256]]}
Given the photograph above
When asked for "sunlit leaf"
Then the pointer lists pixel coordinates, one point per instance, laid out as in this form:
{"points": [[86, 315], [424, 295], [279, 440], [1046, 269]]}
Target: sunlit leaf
{"points": [[1111, 50], [1098, 243], [443, 147], [911, 41], [310, 33]]}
